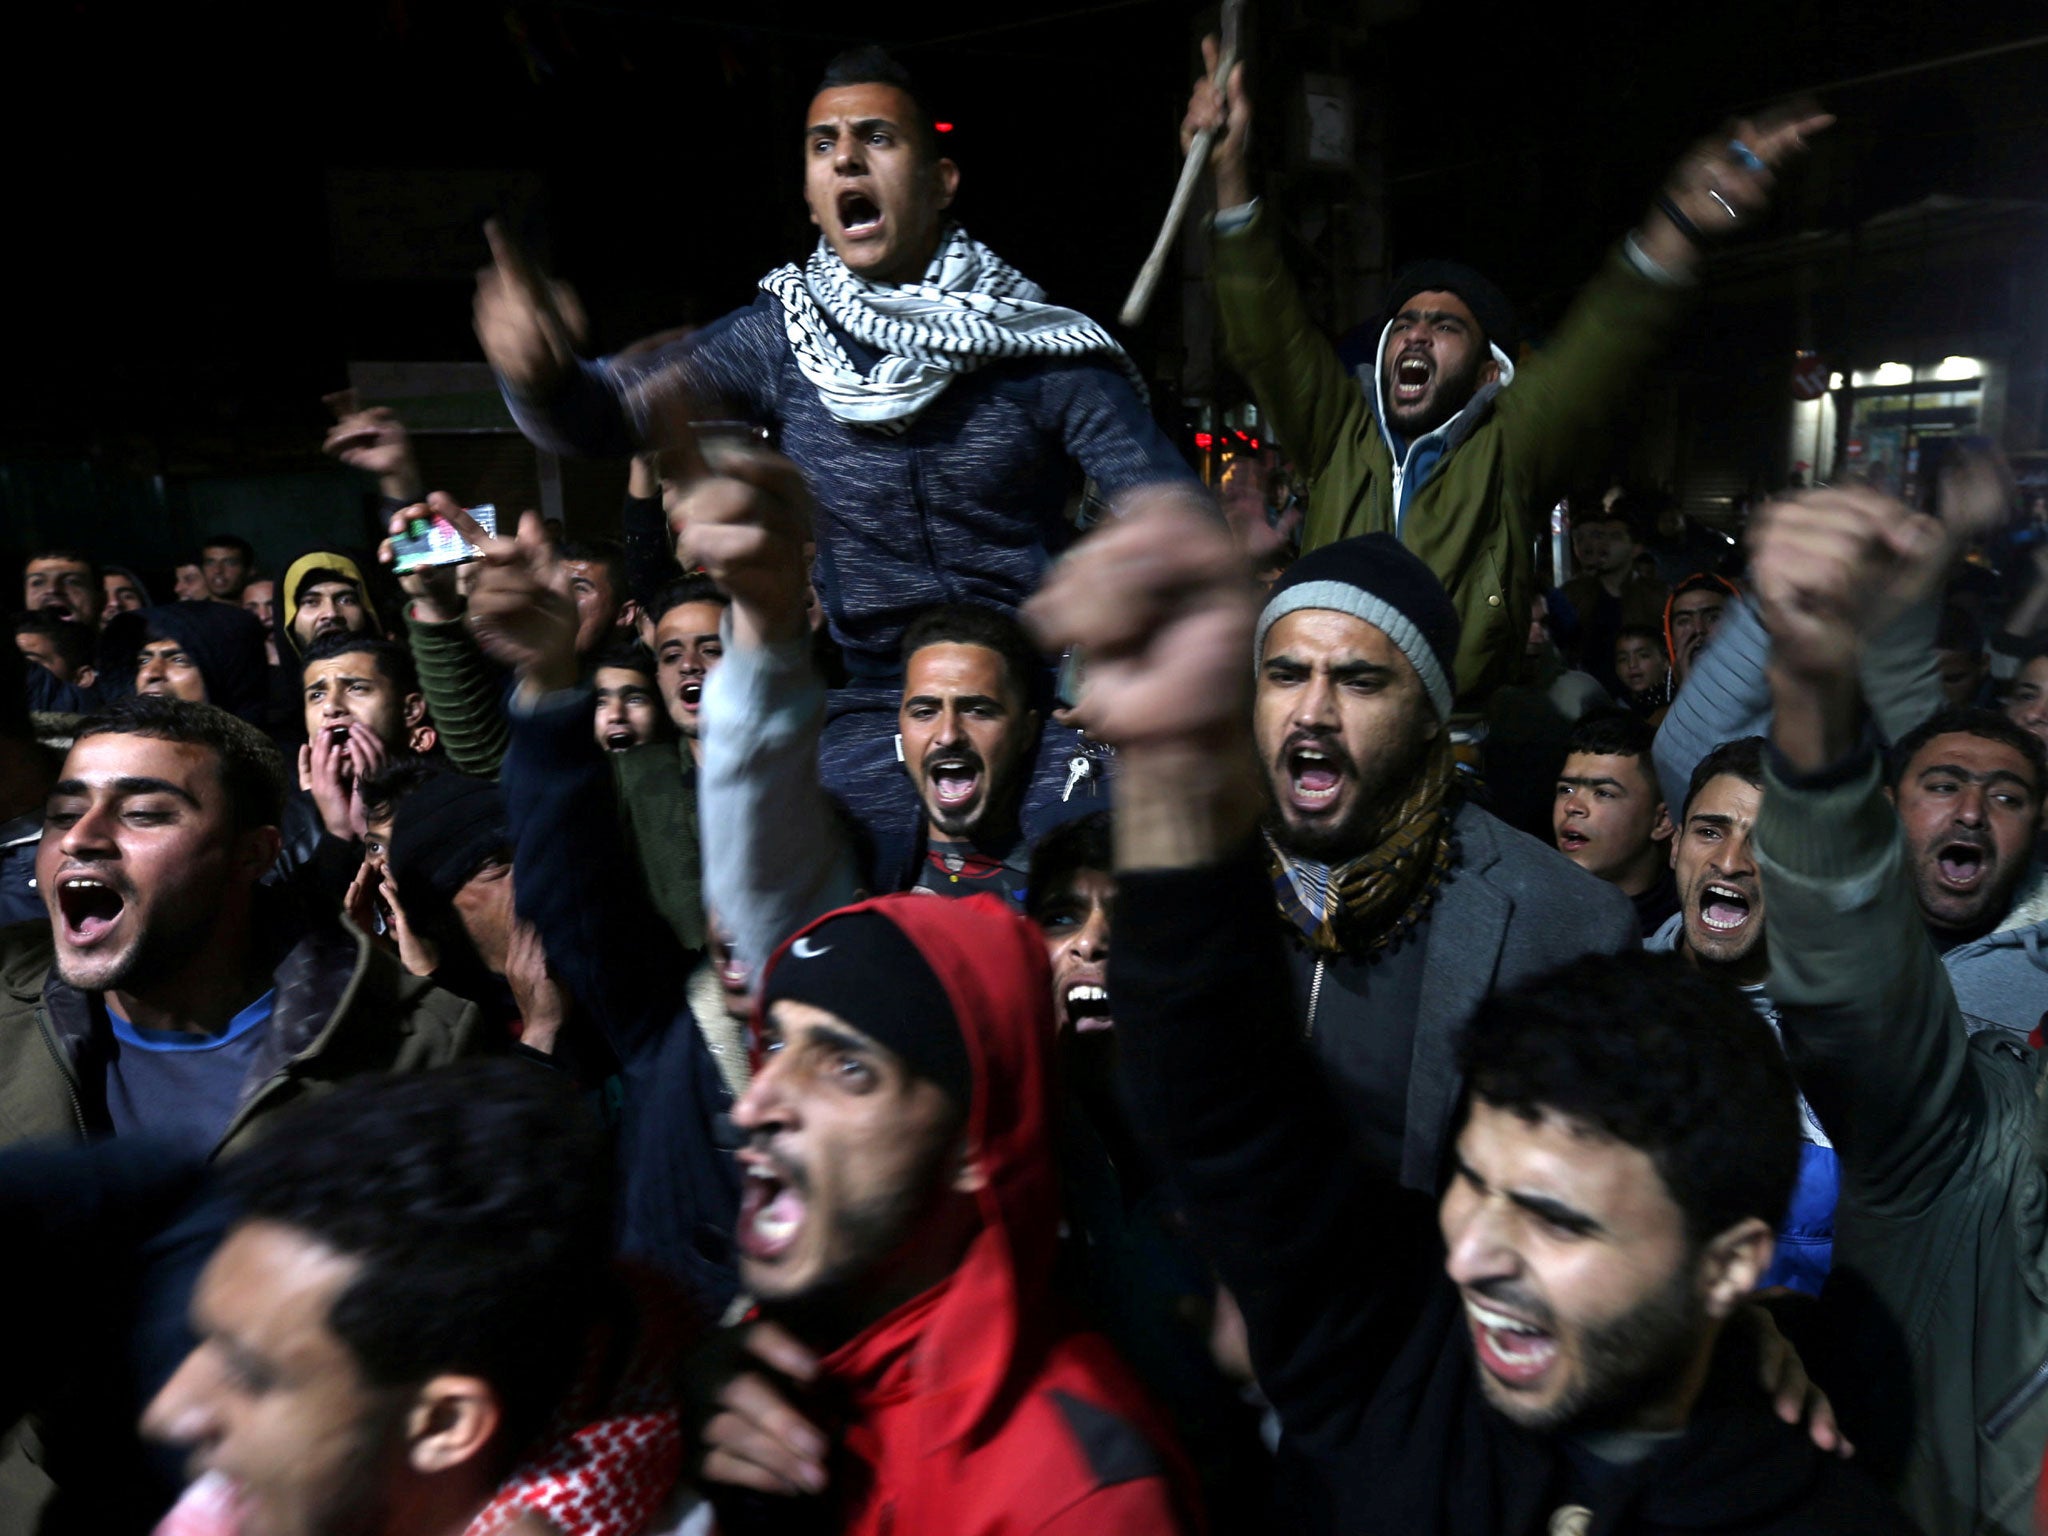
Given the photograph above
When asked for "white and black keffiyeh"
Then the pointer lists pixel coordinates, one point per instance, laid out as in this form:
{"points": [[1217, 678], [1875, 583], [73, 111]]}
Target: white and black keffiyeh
{"points": [[971, 308]]}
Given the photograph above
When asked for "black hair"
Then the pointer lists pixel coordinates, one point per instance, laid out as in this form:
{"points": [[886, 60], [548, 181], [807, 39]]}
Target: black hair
{"points": [[1648, 1050], [1705, 581], [626, 655], [392, 780], [1968, 720], [476, 1200], [1743, 757], [684, 590], [1959, 630], [74, 642], [251, 769], [872, 64], [234, 541], [1617, 733], [320, 573], [1648, 632], [990, 628], [608, 553], [64, 552], [393, 660], [1086, 842]]}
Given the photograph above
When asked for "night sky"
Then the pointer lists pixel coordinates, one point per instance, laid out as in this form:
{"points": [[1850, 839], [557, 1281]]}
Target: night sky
{"points": [[215, 206]]}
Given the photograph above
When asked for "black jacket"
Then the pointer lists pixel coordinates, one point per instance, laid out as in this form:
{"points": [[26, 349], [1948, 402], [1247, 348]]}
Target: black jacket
{"points": [[576, 882], [1358, 1336]]}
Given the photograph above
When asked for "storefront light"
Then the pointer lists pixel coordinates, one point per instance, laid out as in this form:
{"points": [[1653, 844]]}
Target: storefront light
{"points": [[1834, 381], [1892, 373], [1955, 368]]}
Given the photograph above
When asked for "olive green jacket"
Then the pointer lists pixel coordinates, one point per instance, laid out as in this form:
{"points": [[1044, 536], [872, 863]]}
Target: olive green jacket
{"points": [[343, 1008], [1942, 1137], [1475, 520]]}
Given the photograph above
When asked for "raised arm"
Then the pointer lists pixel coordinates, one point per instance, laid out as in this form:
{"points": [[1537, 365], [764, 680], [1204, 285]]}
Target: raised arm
{"points": [[1323, 1261], [1870, 1020], [775, 855]]}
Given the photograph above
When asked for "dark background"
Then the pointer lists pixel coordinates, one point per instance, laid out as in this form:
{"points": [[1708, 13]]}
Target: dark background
{"points": [[215, 207]]}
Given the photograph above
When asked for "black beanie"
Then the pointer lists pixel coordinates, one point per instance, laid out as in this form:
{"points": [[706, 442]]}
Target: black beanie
{"points": [[1374, 578], [860, 967], [443, 833], [1489, 306]]}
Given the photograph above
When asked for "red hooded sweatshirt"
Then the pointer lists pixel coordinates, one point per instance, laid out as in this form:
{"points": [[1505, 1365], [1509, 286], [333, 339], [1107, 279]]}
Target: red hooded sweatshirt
{"points": [[973, 1410]]}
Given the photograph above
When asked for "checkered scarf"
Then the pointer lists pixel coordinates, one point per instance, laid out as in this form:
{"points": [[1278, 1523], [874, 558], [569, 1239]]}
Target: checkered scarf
{"points": [[971, 308]]}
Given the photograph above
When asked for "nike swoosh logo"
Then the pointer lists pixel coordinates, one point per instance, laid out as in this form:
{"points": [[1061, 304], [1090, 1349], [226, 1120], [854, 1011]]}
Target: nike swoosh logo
{"points": [[808, 948]]}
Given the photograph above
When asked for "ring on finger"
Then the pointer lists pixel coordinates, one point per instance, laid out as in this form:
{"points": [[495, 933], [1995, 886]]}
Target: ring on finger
{"points": [[1726, 206]]}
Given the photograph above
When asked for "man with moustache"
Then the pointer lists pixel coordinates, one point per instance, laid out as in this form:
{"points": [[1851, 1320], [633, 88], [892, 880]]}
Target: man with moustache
{"points": [[1941, 1130], [362, 706], [1452, 440], [1718, 928], [1405, 904], [62, 582], [1550, 1344], [941, 409]]}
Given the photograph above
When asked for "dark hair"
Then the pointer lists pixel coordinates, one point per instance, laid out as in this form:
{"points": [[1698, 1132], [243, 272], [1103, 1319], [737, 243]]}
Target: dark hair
{"points": [[1086, 842], [74, 642], [872, 64], [323, 573], [251, 770], [990, 628], [608, 553], [1968, 720], [393, 660], [61, 552], [476, 1200], [1648, 632], [234, 541], [1617, 733], [685, 590], [1959, 630], [392, 780], [1650, 1051], [1743, 757], [1705, 581], [626, 656]]}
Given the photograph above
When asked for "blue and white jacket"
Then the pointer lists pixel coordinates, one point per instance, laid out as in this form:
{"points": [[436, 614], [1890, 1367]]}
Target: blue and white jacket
{"points": [[967, 505], [1806, 1240]]}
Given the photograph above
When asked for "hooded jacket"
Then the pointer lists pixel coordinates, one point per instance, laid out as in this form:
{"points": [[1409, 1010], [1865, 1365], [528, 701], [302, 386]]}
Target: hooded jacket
{"points": [[290, 649], [971, 1409], [225, 643], [2001, 980], [1471, 497]]}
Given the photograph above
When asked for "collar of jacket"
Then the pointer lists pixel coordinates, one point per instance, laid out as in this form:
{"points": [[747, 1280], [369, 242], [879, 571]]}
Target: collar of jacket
{"points": [[1452, 432], [2029, 907], [317, 983]]}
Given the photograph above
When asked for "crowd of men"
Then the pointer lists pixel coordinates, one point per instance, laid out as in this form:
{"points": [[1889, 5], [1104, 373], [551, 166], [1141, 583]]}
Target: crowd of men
{"points": [[598, 1038]]}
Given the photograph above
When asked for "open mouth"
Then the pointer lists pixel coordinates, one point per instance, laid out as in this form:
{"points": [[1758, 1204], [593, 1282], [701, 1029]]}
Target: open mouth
{"points": [[1962, 866], [859, 214], [1723, 908], [954, 780], [1411, 378], [89, 908], [620, 738], [690, 694], [1087, 1005], [1571, 840], [1514, 1352], [772, 1212], [1314, 775]]}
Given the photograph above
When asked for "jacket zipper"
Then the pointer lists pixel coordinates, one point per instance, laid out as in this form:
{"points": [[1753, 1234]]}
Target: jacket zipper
{"points": [[63, 1066], [2021, 1398], [1315, 992], [924, 527]]}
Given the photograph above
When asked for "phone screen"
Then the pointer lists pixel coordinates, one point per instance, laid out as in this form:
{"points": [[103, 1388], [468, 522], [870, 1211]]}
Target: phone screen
{"points": [[430, 541]]}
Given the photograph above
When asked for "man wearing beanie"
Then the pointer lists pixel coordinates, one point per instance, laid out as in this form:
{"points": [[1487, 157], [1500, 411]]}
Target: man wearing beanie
{"points": [[1445, 438], [898, 1225], [1407, 906]]}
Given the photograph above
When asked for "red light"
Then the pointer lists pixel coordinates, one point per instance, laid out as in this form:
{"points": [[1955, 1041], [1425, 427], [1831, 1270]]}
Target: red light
{"points": [[1204, 441], [943, 127]]}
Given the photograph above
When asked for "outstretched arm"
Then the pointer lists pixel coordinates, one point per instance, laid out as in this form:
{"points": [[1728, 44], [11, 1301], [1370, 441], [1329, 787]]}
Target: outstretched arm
{"points": [[1870, 1020]]}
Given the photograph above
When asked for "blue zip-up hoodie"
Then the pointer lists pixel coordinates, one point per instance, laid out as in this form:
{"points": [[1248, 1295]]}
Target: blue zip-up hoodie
{"points": [[967, 505], [1806, 1239]]}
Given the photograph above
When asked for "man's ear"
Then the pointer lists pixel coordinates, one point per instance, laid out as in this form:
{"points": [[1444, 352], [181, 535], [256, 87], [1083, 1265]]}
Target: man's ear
{"points": [[1662, 828], [629, 614], [1489, 371], [947, 175], [259, 848], [451, 1423], [85, 677], [970, 1177], [1733, 1262], [415, 710], [422, 738]]}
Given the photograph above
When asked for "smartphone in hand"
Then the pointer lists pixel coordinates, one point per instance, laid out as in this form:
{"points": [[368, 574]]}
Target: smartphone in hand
{"points": [[430, 541]]}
